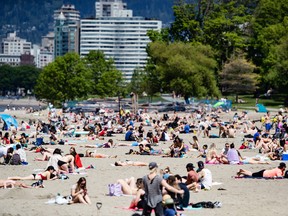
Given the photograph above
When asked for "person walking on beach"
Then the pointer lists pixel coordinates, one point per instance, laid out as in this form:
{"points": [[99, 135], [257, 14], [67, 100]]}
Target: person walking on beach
{"points": [[153, 191]]}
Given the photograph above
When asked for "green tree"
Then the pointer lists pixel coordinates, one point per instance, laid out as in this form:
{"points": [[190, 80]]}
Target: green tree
{"points": [[237, 77], [137, 84], [187, 69], [16, 77], [278, 59], [107, 80], [64, 79], [185, 28], [7, 80], [222, 24], [26, 77], [268, 26]]}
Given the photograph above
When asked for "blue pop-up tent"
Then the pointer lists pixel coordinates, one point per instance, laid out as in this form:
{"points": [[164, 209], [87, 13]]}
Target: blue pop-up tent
{"points": [[9, 120]]}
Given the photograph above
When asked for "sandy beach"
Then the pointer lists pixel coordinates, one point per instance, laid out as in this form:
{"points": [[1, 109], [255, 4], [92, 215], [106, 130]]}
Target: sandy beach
{"points": [[241, 197]]}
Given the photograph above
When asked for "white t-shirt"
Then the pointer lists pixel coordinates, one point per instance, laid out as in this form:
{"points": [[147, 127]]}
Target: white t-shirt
{"points": [[22, 155], [3, 151], [207, 178]]}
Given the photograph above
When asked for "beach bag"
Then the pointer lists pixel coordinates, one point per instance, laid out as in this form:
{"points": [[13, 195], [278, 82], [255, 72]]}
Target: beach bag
{"points": [[15, 159], [115, 189]]}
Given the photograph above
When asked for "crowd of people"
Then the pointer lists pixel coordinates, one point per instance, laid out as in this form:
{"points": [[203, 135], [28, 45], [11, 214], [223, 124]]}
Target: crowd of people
{"points": [[147, 133]]}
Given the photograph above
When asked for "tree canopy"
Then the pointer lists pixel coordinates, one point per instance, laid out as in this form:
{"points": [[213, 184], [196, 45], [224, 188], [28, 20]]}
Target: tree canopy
{"points": [[237, 77], [187, 69], [13, 78], [254, 31], [107, 80], [69, 77], [64, 79]]}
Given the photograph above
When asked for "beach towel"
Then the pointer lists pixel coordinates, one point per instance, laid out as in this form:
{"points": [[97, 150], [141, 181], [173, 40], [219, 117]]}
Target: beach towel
{"points": [[140, 210], [261, 108], [191, 208], [251, 177]]}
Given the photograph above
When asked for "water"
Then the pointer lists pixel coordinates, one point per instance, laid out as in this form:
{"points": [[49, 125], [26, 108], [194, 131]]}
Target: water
{"points": [[2, 108]]}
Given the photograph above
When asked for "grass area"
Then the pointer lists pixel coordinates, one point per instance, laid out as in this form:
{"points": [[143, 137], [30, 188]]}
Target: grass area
{"points": [[276, 101]]}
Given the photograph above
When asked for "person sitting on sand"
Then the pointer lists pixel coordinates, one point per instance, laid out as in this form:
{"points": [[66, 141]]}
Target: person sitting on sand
{"points": [[203, 151], [180, 200], [58, 161], [195, 144], [192, 177], [3, 152], [21, 152], [205, 176], [48, 174], [138, 201], [276, 172], [231, 132], [79, 192], [69, 166], [97, 155], [233, 155], [130, 163], [178, 148], [77, 160], [212, 156], [129, 136]]}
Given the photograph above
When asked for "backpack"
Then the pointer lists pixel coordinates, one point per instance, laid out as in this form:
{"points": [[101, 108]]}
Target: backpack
{"points": [[15, 159]]}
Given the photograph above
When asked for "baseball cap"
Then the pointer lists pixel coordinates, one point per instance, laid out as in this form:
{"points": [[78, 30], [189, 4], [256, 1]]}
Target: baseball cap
{"points": [[152, 165], [190, 165], [200, 164]]}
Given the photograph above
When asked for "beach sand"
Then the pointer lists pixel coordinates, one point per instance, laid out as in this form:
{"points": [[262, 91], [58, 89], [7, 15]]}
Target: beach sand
{"points": [[241, 197]]}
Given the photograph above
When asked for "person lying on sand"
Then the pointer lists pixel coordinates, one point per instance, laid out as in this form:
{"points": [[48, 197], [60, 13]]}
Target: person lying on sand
{"points": [[46, 155], [4, 183], [48, 174], [276, 172], [97, 155], [130, 163]]}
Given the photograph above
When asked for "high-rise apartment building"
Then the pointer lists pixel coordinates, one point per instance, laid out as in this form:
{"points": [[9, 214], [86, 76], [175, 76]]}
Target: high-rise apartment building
{"points": [[112, 8], [47, 42], [13, 45], [118, 34], [66, 30]]}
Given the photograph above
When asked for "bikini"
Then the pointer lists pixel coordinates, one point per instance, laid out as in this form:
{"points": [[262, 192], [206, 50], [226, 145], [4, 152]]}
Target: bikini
{"points": [[42, 177], [60, 163]]}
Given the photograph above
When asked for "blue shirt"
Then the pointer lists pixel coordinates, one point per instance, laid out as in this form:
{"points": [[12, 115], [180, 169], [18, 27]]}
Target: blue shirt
{"points": [[187, 128], [128, 135]]}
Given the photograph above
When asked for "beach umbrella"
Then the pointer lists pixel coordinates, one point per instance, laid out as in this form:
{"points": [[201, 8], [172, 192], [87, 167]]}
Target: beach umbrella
{"points": [[9, 120], [219, 103]]}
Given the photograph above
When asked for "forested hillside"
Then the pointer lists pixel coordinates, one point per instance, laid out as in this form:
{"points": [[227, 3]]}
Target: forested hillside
{"points": [[33, 19]]}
